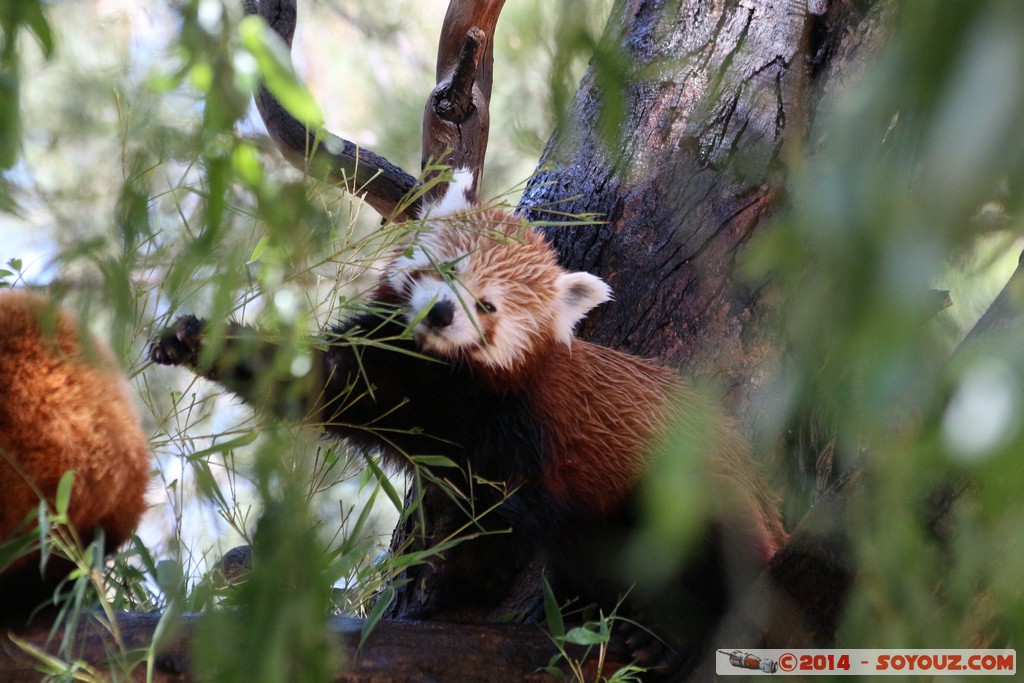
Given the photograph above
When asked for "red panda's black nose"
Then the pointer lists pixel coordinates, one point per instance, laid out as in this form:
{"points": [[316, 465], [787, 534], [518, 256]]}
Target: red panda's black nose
{"points": [[441, 314]]}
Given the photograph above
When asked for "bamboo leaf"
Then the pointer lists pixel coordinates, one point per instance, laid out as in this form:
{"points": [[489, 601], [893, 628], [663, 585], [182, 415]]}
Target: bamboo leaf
{"points": [[63, 498], [553, 613], [275, 66]]}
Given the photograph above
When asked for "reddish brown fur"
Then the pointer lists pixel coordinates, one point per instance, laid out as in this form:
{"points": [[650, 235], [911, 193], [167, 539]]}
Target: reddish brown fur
{"points": [[569, 425], [608, 409], [65, 406], [604, 409]]}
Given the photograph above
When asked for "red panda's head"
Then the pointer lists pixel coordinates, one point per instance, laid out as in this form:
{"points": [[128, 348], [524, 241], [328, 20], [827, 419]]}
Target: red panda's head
{"points": [[483, 287]]}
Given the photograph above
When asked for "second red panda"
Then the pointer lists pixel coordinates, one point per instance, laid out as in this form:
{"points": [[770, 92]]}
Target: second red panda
{"points": [[515, 398], [64, 405]]}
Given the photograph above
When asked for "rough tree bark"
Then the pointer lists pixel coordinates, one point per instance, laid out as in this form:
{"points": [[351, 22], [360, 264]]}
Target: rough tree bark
{"points": [[696, 168]]}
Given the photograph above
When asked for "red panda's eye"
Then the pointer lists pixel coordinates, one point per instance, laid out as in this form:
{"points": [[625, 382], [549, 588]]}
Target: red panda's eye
{"points": [[485, 306]]}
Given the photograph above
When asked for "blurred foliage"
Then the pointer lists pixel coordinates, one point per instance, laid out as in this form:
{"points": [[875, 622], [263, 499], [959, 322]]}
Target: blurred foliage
{"points": [[909, 183], [16, 18], [285, 596]]}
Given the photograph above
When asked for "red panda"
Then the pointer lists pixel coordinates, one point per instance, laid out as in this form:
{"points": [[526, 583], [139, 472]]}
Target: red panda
{"points": [[469, 352], [64, 405]]}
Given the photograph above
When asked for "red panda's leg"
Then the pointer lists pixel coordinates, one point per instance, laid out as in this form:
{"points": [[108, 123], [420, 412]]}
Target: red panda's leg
{"points": [[245, 364]]}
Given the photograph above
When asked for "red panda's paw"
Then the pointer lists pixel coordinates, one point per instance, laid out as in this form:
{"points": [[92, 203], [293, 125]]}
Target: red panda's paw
{"points": [[179, 344]]}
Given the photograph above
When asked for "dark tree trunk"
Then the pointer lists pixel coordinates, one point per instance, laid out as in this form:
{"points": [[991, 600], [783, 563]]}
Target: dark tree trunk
{"points": [[715, 93]]}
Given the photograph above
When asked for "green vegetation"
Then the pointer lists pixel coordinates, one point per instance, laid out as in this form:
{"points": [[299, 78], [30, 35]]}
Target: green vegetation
{"points": [[137, 187], [919, 172]]}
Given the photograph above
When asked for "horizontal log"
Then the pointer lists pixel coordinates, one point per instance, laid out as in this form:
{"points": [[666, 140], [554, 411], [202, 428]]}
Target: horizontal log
{"points": [[396, 651]]}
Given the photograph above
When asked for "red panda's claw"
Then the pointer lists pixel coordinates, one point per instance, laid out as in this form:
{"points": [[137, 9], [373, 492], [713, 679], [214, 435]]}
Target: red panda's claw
{"points": [[179, 345]]}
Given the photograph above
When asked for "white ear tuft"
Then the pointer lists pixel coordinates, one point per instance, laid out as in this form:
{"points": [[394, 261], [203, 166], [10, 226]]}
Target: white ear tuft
{"points": [[578, 293], [456, 198]]}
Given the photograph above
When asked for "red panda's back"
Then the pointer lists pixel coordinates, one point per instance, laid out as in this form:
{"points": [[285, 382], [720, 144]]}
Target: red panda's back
{"points": [[606, 411], [64, 405], [602, 408]]}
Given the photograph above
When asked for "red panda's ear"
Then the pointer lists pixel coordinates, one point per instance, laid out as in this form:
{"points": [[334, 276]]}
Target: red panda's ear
{"points": [[577, 294]]}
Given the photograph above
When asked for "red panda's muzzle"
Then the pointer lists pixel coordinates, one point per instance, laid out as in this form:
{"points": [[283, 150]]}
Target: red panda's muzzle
{"points": [[441, 314]]}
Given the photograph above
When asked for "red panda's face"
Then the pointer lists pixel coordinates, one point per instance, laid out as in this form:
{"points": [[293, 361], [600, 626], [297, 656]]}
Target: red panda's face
{"points": [[485, 289]]}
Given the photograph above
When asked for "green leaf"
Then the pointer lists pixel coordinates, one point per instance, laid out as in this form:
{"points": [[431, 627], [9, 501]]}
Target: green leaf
{"points": [[552, 669], [36, 21], [169, 577], [44, 533], [257, 252], [553, 613], [433, 461], [387, 595], [10, 116], [206, 483], [201, 75], [166, 629], [275, 66], [246, 163], [43, 659], [63, 499], [356, 531], [224, 446], [385, 483], [581, 635]]}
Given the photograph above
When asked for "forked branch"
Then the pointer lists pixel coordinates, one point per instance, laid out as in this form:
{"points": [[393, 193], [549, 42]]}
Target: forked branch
{"points": [[318, 153], [456, 119], [455, 123]]}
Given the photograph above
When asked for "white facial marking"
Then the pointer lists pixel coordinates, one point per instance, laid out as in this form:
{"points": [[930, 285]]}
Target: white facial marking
{"points": [[456, 198], [457, 337], [430, 275]]}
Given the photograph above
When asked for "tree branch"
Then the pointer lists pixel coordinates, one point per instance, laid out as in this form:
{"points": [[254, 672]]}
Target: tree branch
{"points": [[455, 102], [319, 153], [456, 118], [395, 651]]}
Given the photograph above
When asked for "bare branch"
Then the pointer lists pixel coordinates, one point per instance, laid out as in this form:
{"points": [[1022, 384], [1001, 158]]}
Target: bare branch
{"points": [[319, 153], [453, 100], [456, 119]]}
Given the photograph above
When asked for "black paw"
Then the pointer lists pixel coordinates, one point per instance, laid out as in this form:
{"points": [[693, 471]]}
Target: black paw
{"points": [[179, 344]]}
